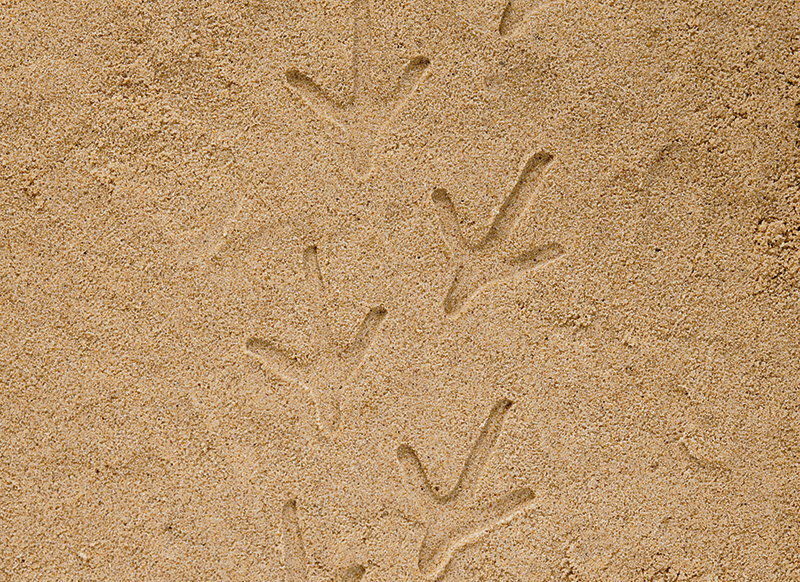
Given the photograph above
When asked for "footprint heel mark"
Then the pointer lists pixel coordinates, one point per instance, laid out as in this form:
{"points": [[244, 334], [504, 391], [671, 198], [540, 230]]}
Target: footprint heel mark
{"points": [[294, 554], [450, 519], [329, 368], [483, 264], [362, 116], [515, 12]]}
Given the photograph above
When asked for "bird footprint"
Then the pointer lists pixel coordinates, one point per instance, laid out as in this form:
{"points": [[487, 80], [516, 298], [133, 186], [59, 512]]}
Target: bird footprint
{"points": [[450, 520], [362, 117], [330, 368], [483, 264]]}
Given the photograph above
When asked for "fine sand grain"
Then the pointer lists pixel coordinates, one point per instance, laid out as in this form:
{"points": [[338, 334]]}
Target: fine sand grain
{"points": [[391, 290]]}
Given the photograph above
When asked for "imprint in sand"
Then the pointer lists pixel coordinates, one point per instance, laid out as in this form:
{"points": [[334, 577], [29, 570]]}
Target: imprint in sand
{"points": [[294, 553], [363, 115], [450, 520], [329, 368], [483, 264]]}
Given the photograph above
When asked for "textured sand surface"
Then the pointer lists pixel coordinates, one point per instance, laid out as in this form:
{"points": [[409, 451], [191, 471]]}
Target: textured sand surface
{"points": [[399, 290]]}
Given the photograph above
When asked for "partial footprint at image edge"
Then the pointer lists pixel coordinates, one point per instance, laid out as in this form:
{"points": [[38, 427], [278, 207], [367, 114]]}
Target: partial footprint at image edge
{"points": [[446, 529]]}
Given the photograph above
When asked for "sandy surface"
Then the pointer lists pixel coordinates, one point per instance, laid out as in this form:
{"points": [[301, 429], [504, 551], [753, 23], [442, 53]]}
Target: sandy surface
{"points": [[402, 291]]}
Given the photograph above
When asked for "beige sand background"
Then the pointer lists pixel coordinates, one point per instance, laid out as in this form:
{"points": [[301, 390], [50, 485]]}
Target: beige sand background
{"points": [[161, 181]]}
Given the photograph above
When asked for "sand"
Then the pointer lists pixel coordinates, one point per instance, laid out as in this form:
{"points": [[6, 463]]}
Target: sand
{"points": [[400, 290]]}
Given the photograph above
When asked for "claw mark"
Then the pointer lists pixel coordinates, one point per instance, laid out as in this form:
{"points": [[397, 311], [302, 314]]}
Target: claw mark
{"points": [[514, 13], [331, 367], [451, 522], [294, 553], [360, 118], [480, 265]]}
